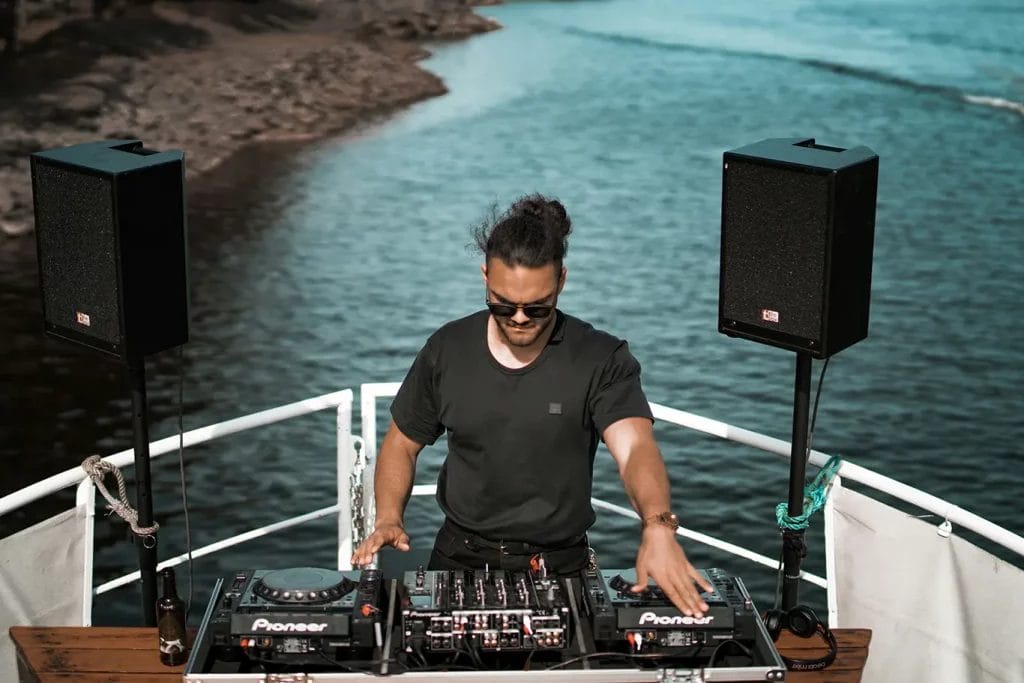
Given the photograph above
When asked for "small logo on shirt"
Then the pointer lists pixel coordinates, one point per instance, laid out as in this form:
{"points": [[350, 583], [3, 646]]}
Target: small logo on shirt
{"points": [[554, 409]]}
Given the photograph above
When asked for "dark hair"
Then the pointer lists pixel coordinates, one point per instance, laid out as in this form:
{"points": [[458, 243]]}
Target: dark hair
{"points": [[533, 232]]}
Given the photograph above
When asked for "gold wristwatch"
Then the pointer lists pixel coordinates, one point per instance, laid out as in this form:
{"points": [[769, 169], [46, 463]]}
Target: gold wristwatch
{"points": [[668, 519]]}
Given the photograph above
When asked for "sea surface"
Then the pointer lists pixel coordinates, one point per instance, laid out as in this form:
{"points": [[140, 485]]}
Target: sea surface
{"points": [[319, 267]]}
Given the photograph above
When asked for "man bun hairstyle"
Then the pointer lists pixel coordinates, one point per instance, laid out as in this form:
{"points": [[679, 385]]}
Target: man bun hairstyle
{"points": [[533, 232]]}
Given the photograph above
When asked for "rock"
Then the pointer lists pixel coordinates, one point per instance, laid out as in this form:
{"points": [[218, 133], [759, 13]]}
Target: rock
{"points": [[74, 100], [324, 70], [15, 228]]}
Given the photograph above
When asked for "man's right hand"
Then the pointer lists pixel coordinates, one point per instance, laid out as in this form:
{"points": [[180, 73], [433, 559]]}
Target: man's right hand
{"points": [[385, 534]]}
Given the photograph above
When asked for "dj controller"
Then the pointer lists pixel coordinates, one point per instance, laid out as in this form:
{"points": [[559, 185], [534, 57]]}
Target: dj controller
{"points": [[300, 621]]}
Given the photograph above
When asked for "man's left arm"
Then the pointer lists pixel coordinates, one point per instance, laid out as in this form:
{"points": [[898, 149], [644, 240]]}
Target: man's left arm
{"points": [[631, 442]]}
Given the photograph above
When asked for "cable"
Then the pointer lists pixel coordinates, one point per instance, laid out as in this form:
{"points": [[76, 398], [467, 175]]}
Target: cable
{"points": [[529, 658], [736, 643], [362, 666], [418, 651], [284, 665], [181, 471], [778, 582], [474, 654], [444, 667], [424, 665], [814, 413], [607, 655]]}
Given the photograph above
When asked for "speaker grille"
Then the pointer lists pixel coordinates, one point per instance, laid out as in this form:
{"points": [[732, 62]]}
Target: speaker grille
{"points": [[772, 218], [77, 251]]}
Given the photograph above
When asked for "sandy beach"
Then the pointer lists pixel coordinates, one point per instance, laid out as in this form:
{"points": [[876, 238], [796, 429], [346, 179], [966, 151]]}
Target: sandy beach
{"points": [[212, 76]]}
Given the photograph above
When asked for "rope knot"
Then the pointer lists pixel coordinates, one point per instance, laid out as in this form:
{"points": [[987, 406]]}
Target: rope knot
{"points": [[97, 468], [814, 498]]}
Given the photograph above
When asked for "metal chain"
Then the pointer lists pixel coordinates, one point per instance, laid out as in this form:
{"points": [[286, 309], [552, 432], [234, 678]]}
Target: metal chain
{"points": [[355, 487]]}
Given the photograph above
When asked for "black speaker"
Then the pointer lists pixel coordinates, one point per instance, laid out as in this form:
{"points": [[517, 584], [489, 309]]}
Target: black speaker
{"points": [[112, 246], [798, 228]]}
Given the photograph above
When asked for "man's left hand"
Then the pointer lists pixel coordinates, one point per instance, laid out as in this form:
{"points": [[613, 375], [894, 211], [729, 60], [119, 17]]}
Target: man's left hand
{"points": [[661, 558]]}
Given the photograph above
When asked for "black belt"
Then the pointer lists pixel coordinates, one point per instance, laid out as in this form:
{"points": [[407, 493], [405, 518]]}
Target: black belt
{"points": [[512, 547]]}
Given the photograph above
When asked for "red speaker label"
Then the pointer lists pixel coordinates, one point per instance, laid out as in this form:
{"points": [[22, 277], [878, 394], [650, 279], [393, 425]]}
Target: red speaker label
{"points": [[769, 316], [82, 318]]}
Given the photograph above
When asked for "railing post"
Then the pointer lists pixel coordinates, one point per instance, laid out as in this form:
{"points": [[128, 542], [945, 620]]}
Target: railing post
{"points": [[85, 499], [830, 551], [344, 473], [368, 418]]}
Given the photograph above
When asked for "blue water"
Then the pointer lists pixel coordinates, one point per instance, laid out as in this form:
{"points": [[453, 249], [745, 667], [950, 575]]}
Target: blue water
{"points": [[321, 267]]}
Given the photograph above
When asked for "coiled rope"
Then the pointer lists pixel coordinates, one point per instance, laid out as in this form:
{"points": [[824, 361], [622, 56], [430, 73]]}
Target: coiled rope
{"points": [[814, 497], [97, 469]]}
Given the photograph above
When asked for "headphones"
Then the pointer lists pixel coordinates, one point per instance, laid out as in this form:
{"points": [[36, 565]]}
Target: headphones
{"points": [[802, 621]]}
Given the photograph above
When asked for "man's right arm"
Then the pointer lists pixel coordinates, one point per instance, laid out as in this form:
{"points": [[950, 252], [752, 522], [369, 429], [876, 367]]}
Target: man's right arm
{"points": [[392, 483]]}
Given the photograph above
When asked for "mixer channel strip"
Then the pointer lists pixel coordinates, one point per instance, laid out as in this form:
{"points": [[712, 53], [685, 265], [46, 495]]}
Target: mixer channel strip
{"points": [[446, 611]]}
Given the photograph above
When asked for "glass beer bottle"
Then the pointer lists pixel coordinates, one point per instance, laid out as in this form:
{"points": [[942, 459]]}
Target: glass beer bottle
{"points": [[170, 622]]}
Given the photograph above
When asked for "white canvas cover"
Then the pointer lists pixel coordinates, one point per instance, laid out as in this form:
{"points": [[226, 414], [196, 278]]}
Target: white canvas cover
{"points": [[41, 579], [940, 609]]}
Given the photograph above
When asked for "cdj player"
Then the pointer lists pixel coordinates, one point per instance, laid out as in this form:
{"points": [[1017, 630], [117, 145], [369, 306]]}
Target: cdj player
{"points": [[647, 622], [297, 616]]}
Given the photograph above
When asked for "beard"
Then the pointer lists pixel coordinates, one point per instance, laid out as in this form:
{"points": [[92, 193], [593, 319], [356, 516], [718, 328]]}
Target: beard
{"points": [[523, 335]]}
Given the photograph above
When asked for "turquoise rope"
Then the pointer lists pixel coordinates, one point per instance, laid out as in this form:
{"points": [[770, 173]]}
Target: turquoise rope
{"points": [[814, 497]]}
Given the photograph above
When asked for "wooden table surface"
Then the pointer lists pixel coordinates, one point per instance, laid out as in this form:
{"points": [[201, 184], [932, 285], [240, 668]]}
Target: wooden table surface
{"points": [[99, 654], [848, 666], [90, 654]]}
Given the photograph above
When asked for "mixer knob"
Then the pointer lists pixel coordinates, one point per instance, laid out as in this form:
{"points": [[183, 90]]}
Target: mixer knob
{"points": [[618, 583]]}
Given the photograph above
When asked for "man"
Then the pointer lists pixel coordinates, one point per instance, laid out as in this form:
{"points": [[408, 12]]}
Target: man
{"points": [[524, 392]]}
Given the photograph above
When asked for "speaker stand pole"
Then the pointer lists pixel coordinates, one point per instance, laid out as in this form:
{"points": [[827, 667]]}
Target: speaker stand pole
{"points": [[793, 548], [146, 545]]}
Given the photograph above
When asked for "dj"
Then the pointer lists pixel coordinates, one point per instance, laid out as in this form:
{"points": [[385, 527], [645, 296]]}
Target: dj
{"points": [[524, 392]]}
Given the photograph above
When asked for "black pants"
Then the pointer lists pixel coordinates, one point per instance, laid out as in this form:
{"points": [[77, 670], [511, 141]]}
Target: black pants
{"points": [[458, 548]]}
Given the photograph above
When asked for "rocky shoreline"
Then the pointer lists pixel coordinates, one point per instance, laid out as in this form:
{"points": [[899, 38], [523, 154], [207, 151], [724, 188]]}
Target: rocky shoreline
{"points": [[211, 76]]}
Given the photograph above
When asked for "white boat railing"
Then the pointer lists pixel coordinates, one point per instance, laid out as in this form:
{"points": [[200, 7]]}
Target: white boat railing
{"points": [[73, 476], [347, 453], [85, 493], [942, 509]]}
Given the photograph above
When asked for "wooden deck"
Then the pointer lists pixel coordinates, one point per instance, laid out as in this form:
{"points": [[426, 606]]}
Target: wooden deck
{"points": [[129, 655]]}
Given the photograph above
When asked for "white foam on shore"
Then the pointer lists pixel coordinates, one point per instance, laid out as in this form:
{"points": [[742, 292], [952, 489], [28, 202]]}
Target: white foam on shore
{"points": [[996, 102]]}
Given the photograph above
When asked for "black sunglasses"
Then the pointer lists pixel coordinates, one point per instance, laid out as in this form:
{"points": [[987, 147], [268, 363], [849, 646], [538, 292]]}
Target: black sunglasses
{"points": [[534, 311]]}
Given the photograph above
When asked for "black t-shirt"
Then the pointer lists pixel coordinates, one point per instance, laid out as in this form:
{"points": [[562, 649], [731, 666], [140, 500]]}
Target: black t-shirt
{"points": [[521, 442]]}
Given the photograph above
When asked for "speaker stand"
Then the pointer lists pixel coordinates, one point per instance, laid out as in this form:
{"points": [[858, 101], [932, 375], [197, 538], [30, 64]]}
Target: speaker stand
{"points": [[146, 545], [793, 547]]}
